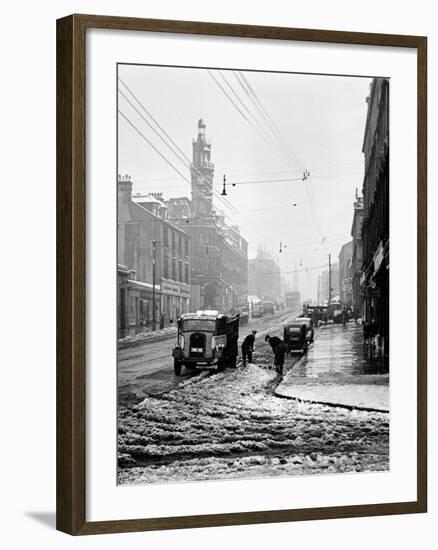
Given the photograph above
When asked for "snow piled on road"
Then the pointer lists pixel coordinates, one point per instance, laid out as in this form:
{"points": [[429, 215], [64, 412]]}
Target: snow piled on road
{"points": [[230, 425]]}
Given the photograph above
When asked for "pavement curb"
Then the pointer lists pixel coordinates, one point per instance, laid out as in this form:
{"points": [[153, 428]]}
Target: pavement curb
{"points": [[331, 404]]}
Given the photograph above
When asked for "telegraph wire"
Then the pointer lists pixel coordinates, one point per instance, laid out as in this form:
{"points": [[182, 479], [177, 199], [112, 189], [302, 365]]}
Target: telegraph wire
{"points": [[252, 96], [152, 145], [152, 118], [253, 117], [180, 153], [230, 99], [246, 174], [156, 132], [187, 162], [306, 174]]}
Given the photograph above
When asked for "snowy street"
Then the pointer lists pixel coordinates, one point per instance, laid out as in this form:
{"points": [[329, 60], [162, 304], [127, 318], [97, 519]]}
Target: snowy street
{"points": [[231, 425], [147, 369]]}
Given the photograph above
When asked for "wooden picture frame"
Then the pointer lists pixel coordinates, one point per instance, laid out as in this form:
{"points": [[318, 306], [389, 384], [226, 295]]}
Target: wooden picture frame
{"points": [[71, 273]]}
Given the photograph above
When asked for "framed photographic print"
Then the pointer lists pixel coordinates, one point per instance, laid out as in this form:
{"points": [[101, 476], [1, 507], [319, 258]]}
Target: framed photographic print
{"points": [[241, 288]]}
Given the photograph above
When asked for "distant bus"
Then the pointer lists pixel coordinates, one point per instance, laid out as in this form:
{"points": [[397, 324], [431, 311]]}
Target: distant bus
{"points": [[293, 299], [269, 307], [257, 309]]}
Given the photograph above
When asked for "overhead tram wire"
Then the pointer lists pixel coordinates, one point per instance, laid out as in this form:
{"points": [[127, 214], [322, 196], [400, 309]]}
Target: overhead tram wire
{"points": [[261, 129], [152, 118], [274, 128], [156, 132], [187, 162], [246, 174], [158, 151], [267, 117], [255, 182], [251, 182], [152, 145], [160, 137], [295, 270], [181, 153], [286, 147], [239, 110]]}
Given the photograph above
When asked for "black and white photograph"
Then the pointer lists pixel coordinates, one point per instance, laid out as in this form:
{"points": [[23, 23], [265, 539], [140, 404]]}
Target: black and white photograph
{"points": [[252, 274]]}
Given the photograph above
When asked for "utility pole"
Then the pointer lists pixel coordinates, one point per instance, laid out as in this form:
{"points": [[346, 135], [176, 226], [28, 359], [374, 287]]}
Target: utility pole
{"points": [[330, 280], [154, 251]]}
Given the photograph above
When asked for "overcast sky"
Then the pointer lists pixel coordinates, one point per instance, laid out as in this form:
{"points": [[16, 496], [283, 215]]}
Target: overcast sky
{"points": [[321, 122]]}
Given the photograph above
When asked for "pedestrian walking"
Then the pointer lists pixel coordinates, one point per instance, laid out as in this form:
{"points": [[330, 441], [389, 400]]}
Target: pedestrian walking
{"points": [[344, 316], [279, 350], [248, 347]]}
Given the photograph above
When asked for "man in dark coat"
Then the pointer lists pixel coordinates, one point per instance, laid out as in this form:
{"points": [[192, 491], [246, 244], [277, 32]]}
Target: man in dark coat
{"points": [[248, 347], [279, 350]]}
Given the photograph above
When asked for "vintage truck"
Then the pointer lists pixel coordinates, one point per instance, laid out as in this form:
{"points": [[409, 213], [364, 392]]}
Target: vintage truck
{"points": [[206, 338]]}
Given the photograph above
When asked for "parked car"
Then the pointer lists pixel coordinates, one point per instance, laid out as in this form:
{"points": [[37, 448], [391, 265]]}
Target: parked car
{"points": [[309, 327], [206, 338], [295, 337]]}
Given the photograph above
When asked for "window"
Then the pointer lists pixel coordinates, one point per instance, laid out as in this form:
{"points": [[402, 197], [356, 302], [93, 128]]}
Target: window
{"points": [[180, 272], [166, 236], [166, 267], [174, 269], [186, 273]]}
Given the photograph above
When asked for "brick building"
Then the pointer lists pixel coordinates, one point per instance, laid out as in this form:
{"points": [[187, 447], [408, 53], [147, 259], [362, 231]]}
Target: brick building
{"points": [[375, 226], [145, 237]]}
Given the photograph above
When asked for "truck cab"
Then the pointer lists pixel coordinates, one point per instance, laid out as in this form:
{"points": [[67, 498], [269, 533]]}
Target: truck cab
{"points": [[206, 338]]}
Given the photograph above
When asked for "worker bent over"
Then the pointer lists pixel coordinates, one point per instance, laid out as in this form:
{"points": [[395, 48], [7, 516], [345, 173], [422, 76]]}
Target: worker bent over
{"points": [[279, 350], [248, 347]]}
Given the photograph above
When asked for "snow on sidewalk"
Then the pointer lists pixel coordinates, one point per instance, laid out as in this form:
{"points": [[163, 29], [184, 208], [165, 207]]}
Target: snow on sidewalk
{"points": [[149, 336], [335, 372]]}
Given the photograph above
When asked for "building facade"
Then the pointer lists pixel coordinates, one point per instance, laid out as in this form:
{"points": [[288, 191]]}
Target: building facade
{"points": [[323, 285], [264, 277], [357, 256], [153, 263], [345, 274], [375, 225], [218, 252]]}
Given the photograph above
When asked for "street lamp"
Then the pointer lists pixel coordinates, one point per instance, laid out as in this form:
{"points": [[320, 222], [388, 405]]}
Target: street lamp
{"points": [[224, 190]]}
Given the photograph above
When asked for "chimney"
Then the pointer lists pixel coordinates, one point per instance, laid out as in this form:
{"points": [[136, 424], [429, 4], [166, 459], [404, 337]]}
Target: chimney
{"points": [[124, 189]]}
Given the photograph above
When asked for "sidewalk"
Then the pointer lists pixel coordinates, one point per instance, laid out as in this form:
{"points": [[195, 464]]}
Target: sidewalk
{"points": [[143, 337], [335, 372]]}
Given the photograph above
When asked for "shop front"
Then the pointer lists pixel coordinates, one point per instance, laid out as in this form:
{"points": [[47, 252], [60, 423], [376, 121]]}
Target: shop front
{"points": [[136, 302], [175, 300], [375, 293]]}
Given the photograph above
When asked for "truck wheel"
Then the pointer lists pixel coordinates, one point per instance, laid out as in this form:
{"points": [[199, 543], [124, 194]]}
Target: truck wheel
{"points": [[177, 367], [220, 365]]}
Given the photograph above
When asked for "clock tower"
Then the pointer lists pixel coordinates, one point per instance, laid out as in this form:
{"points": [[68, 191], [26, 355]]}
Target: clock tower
{"points": [[202, 171]]}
